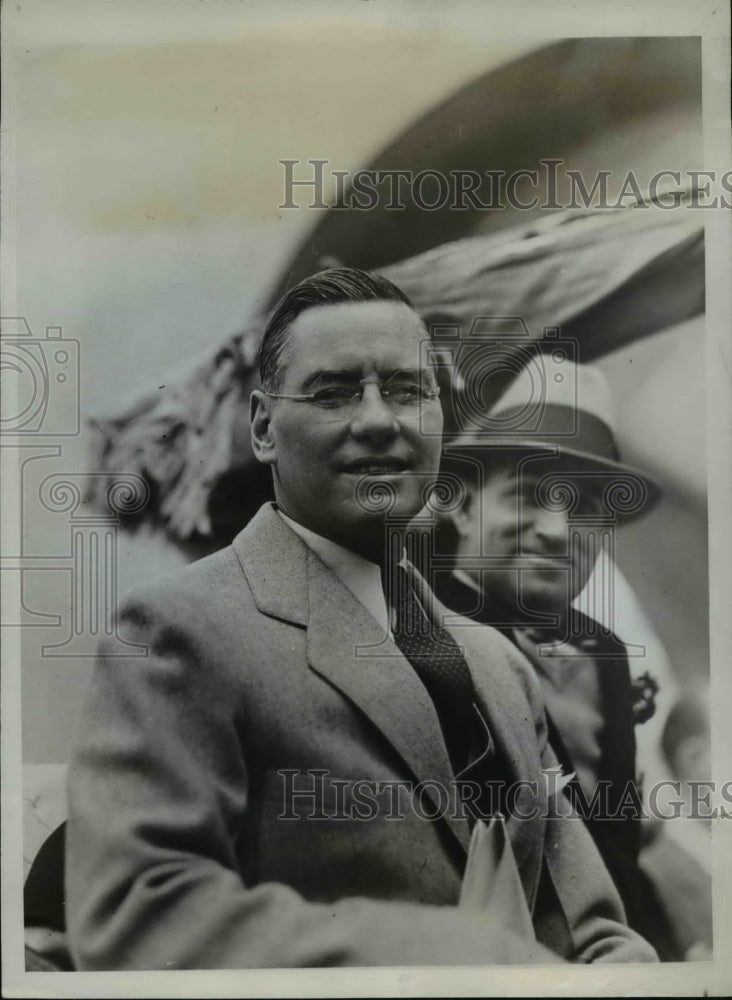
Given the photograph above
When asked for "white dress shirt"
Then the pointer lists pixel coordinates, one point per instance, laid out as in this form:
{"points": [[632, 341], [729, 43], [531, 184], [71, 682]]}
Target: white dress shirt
{"points": [[361, 576]]}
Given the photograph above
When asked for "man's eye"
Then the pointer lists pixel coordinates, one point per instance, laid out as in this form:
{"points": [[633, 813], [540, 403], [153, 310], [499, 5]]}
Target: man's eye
{"points": [[333, 396], [405, 392], [518, 490]]}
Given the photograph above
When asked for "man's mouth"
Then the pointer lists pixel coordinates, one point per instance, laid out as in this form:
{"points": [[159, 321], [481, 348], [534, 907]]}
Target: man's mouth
{"points": [[375, 466], [545, 558]]}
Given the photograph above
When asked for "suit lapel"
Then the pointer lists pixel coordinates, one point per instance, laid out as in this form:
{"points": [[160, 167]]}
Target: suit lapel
{"points": [[506, 712], [347, 647], [493, 682], [504, 707], [274, 561]]}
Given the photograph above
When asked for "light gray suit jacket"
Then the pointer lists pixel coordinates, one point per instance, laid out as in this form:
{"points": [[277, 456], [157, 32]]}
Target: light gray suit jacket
{"points": [[263, 668]]}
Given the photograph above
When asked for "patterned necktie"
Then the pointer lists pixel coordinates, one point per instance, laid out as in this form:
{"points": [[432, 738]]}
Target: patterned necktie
{"points": [[440, 665]]}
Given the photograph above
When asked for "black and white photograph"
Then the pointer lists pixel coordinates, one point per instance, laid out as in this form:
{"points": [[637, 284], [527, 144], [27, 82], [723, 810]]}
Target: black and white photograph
{"points": [[366, 470]]}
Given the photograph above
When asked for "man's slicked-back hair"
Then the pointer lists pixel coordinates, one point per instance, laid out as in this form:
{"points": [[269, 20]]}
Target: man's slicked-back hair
{"points": [[331, 287]]}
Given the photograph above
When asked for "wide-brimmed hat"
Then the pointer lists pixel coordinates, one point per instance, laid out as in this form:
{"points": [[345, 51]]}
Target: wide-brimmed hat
{"points": [[556, 408]]}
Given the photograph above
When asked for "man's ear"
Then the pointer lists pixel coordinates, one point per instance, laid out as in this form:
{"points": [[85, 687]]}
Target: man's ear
{"points": [[260, 420]]}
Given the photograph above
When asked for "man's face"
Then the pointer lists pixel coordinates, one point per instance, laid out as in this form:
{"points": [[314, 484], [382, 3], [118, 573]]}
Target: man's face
{"points": [[543, 554], [322, 456]]}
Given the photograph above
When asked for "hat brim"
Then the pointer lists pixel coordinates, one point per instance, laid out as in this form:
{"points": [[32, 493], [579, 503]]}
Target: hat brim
{"points": [[649, 491]]}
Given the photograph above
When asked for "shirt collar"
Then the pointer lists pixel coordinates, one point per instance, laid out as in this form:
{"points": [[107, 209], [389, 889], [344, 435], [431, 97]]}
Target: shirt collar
{"points": [[361, 576]]}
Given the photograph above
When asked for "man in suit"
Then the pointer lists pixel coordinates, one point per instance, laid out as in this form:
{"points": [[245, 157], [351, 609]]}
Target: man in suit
{"points": [[235, 796], [543, 490]]}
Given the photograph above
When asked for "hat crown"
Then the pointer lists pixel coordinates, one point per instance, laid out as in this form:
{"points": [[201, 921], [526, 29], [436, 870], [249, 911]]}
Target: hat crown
{"points": [[552, 403], [561, 383], [561, 410]]}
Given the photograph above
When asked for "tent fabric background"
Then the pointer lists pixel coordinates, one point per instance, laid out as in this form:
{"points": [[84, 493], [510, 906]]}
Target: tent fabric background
{"points": [[589, 104], [555, 272]]}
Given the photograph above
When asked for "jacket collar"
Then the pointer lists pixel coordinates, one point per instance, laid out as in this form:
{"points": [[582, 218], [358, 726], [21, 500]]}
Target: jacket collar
{"points": [[348, 648], [274, 561]]}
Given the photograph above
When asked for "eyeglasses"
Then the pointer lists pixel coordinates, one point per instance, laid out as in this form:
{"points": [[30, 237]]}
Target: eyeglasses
{"points": [[403, 394]]}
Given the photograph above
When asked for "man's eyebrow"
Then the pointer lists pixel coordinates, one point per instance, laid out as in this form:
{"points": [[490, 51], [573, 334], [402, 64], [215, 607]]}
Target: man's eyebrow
{"points": [[410, 372], [344, 375], [339, 375]]}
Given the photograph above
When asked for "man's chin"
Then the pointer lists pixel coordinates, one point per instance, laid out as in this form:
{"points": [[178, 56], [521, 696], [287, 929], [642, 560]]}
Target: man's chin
{"points": [[547, 596], [383, 497], [546, 600], [357, 525]]}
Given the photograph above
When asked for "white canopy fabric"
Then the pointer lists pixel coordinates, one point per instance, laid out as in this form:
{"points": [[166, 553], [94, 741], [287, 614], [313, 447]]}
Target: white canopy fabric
{"points": [[557, 272]]}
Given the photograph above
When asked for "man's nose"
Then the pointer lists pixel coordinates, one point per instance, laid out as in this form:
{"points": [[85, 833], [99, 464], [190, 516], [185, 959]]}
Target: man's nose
{"points": [[551, 526], [372, 416]]}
